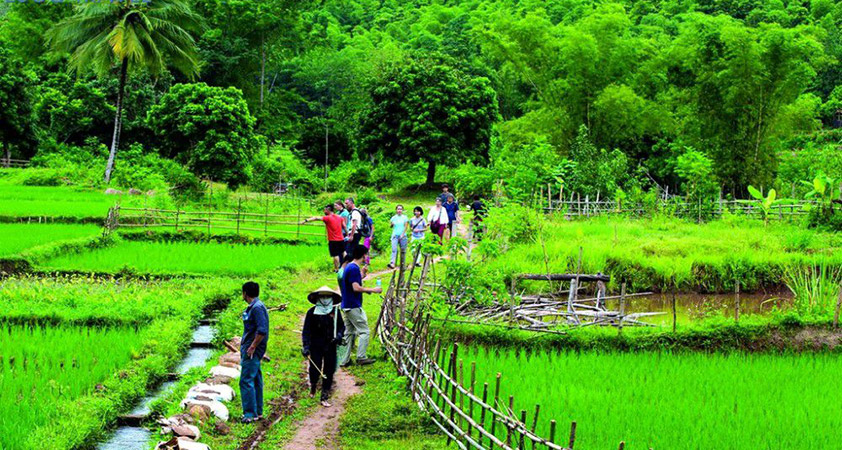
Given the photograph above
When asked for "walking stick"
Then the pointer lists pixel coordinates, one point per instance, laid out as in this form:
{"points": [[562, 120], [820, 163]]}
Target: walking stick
{"points": [[324, 377]]}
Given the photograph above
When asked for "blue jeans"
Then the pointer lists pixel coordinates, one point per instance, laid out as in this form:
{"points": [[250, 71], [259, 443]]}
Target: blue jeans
{"points": [[251, 387], [397, 241]]}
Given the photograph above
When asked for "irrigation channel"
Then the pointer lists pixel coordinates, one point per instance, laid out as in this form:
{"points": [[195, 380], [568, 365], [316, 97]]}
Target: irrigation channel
{"points": [[130, 434]]}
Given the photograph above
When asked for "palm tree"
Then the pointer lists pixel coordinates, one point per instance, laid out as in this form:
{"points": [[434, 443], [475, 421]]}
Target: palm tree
{"points": [[149, 35]]}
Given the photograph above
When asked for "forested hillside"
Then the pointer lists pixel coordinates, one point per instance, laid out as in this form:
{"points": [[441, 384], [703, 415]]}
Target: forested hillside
{"points": [[702, 97]]}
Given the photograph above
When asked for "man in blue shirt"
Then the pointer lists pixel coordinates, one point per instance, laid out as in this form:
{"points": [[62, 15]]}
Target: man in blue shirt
{"points": [[452, 208], [252, 349], [356, 322]]}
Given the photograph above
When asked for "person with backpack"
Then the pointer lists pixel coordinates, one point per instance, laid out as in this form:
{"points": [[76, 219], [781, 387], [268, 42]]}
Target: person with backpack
{"points": [[437, 218], [367, 233], [355, 226]]}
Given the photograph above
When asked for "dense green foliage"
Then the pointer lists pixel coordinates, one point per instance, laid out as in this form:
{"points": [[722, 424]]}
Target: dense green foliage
{"points": [[609, 97], [207, 128], [43, 366], [680, 401]]}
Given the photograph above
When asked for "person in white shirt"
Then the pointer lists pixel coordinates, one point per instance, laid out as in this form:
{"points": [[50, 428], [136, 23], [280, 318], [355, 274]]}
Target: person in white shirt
{"points": [[437, 218], [354, 235]]}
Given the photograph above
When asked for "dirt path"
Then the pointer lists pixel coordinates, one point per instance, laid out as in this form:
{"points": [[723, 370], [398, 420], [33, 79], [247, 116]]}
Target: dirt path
{"points": [[321, 428]]}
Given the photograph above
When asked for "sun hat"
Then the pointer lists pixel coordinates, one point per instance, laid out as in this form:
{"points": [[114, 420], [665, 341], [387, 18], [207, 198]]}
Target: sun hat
{"points": [[313, 297]]}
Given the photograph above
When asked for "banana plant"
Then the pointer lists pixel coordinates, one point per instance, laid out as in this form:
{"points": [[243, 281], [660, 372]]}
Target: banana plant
{"points": [[824, 190], [765, 203]]}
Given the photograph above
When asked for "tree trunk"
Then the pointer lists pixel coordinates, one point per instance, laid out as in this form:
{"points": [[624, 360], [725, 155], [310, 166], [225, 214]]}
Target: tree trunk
{"points": [[262, 67], [118, 121], [431, 172], [8, 162]]}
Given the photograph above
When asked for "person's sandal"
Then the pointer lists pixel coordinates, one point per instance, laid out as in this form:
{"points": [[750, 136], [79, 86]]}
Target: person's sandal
{"points": [[326, 404], [365, 361], [248, 419]]}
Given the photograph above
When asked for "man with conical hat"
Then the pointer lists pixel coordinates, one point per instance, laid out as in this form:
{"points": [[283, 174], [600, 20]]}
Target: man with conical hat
{"points": [[323, 331]]}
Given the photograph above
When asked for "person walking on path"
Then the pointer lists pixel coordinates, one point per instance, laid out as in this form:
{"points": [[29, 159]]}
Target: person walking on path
{"points": [[322, 333], [356, 321], [334, 225], [478, 207], [369, 233], [445, 191], [418, 226], [437, 218], [252, 349], [398, 222], [339, 209], [354, 235], [452, 209]]}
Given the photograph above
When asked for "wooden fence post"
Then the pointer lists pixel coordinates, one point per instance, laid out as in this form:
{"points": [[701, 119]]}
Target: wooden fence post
{"points": [[674, 315], [239, 207], [737, 301], [572, 435], [838, 306], [496, 402], [266, 219], [622, 308], [552, 431], [298, 222]]}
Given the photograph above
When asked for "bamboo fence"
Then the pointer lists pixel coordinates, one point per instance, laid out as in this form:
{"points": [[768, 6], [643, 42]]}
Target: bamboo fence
{"points": [[472, 418], [576, 205], [9, 163], [238, 222]]}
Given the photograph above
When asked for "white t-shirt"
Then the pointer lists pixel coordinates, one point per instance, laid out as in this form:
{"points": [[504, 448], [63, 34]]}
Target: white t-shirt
{"points": [[356, 219], [440, 215]]}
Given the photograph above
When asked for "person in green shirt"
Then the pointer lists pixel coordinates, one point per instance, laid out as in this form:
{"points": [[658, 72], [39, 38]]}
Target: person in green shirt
{"points": [[398, 223]]}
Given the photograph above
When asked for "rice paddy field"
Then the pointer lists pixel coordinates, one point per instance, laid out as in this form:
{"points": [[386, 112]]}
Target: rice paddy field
{"points": [[674, 401], [186, 257], [19, 237], [58, 201], [41, 367], [649, 253]]}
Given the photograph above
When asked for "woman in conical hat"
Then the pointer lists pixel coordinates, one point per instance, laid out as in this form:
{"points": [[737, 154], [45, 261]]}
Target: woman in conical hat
{"points": [[323, 331]]}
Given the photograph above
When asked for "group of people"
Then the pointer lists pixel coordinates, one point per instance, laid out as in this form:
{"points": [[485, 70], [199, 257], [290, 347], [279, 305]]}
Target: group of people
{"points": [[441, 220], [347, 228], [337, 319]]}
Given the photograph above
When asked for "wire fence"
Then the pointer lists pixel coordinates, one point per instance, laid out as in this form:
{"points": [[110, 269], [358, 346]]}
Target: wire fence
{"points": [[473, 418]]}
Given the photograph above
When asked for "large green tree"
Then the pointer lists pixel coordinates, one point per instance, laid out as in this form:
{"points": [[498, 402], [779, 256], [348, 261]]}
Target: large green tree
{"points": [[423, 109], [103, 36], [208, 128], [15, 111]]}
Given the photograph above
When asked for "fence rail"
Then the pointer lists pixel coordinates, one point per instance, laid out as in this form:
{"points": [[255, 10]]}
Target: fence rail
{"points": [[437, 381], [238, 222], [585, 207], [9, 163]]}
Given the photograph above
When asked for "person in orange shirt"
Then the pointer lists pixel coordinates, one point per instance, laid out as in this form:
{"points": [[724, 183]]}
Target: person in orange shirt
{"points": [[335, 226]]}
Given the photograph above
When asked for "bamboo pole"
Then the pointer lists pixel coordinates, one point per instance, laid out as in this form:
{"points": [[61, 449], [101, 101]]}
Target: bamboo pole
{"points": [[622, 308], [552, 431], [737, 301], [572, 435], [838, 307]]}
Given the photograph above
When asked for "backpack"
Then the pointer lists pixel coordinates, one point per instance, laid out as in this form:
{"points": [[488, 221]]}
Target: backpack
{"points": [[365, 224]]}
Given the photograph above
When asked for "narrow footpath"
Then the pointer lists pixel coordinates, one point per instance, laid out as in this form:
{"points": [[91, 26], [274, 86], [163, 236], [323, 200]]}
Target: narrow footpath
{"points": [[321, 428]]}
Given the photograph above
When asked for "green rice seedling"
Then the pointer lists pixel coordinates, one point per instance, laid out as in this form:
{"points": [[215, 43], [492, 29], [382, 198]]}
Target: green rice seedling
{"points": [[187, 257], [650, 254], [816, 288], [18, 237], [87, 301], [41, 367], [677, 401], [62, 201]]}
